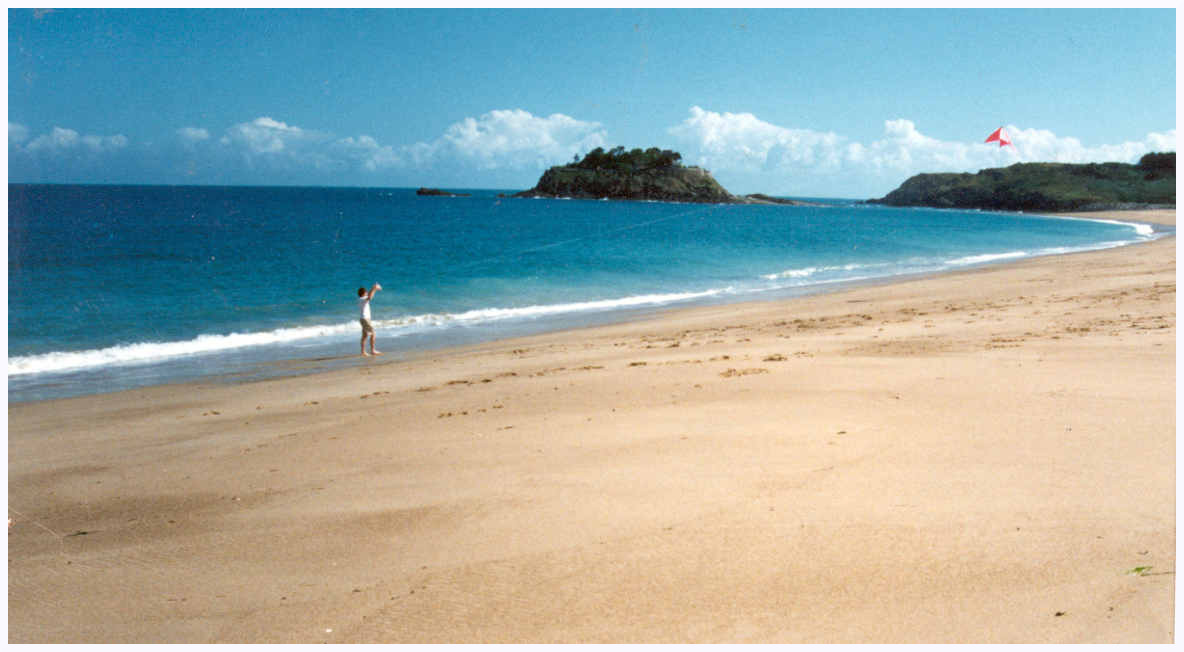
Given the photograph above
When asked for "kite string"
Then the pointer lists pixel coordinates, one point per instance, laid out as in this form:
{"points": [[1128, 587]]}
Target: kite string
{"points": [[61, 539], [35, 522], [561, 243]]}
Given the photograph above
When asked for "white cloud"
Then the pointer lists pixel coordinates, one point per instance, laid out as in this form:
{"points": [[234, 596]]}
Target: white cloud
{"points": [[193, 134], [1165, 142], [516, 139], [745, 141], [499, 140], [62, 139], [267, 136], [59, 138], [17, 133], [1043, 145], [266, 141], [368, 152], [904, 149], [99, 143], [741, 147]]}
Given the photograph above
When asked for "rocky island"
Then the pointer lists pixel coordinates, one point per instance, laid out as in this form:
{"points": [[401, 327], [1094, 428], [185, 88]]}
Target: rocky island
{"points": [[1051, 187], [653, 174], [435, 192]]}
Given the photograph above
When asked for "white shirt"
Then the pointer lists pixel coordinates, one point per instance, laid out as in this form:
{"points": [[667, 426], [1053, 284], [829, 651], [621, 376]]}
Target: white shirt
{"points": [[364, 305]]}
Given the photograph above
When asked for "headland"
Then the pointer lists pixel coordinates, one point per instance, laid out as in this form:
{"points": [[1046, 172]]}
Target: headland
{"points": [[1047, 187]]}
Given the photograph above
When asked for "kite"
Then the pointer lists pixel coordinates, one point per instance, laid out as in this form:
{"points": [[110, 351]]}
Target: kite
{"points": [[999, 136]]}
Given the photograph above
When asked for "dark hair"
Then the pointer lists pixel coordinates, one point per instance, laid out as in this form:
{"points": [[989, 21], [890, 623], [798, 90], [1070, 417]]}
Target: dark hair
{"points": [[361, 292]]}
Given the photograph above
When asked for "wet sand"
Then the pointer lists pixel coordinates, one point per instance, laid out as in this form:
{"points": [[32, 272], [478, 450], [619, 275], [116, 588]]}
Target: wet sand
{"points": [[983, 456]]}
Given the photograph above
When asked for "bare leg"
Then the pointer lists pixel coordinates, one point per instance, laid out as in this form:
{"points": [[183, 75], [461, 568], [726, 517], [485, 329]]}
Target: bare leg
{"points": [[364, 343], [372, 350]]}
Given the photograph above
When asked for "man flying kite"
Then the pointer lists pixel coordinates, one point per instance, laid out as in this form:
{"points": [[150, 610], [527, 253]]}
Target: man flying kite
{"points": [[999, 136]]}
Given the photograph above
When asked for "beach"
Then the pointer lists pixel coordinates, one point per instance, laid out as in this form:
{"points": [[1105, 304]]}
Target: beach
{"points": [[982, 456]]}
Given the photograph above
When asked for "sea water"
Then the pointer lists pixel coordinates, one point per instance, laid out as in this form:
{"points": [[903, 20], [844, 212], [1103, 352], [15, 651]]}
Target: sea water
{"points": [[114, 287]]}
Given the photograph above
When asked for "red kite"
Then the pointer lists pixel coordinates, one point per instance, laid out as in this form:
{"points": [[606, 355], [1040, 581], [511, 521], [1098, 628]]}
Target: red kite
{"points": [[1000, 136]]}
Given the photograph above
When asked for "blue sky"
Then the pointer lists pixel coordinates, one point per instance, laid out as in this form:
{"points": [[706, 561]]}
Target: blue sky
{"points": [[824, 103]]}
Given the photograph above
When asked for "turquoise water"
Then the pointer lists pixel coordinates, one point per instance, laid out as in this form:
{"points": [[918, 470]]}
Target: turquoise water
{"points": [[113, 286]]}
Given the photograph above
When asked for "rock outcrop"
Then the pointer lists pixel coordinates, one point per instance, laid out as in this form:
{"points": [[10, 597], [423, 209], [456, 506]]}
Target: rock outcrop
{"points": [[758, 198], [653, 174], [675, 183], [434, 192]]}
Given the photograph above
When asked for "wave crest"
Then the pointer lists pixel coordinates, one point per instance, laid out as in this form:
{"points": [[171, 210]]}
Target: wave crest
{"points": [[149, 352]]}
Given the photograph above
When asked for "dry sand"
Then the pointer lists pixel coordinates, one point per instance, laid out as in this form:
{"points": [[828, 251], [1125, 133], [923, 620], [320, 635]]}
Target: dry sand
{"points": [[985, 456]]}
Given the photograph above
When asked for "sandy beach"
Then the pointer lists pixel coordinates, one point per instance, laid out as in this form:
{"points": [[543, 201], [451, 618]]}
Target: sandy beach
{"points": [[985, 456]]}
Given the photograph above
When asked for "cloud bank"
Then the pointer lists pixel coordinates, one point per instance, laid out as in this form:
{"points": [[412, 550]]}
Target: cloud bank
{"points": [[502, 141], [193, 134], [517, 139], [743, 147], [17, 133], [60, 139], [509, 148]]}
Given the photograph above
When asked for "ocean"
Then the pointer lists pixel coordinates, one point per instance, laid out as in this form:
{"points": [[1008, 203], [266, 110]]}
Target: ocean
{"points": [[117, 287]]}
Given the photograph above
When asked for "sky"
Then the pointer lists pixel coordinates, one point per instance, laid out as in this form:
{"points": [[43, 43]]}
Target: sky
{"points": [[788, 102]]}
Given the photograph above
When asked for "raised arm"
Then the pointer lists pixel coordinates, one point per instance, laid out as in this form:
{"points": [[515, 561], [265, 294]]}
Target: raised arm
{"points": [[373, 288]]}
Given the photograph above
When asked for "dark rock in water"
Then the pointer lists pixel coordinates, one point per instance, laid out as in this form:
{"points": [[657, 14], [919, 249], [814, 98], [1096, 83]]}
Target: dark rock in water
{"points": [[434, 192], [1151, 183], [759, 198]]}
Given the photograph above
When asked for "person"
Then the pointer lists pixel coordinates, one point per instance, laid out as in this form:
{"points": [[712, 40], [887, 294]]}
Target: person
{"points": [[364, 298]]}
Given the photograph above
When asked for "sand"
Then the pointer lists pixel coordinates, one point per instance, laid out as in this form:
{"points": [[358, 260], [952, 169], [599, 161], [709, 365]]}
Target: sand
{"points": [[984, 456]]}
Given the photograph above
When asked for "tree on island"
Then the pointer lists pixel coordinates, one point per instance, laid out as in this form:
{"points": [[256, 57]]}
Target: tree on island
{"points": [[635, 160]]}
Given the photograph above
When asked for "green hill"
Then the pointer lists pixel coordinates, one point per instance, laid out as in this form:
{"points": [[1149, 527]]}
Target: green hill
{"points": [[1046, 187]]}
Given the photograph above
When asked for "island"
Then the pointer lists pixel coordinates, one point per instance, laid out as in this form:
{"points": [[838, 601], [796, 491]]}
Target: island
{"points": [[435, 192], [1049, 187], [642, 175]]}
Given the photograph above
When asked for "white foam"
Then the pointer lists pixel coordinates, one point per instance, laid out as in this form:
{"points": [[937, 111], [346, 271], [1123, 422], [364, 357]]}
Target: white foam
{"points": [[148, 352], [807, 272], [142, 352], [985, 258], [1142, 230], [497, 314]]}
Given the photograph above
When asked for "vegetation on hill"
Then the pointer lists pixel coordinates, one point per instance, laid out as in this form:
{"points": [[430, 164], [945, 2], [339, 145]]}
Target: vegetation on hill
{"points": [[620, 160], [1046, 186]]}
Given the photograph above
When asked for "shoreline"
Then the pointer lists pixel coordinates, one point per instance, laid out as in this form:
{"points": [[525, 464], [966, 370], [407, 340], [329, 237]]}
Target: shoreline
{"points": [[985, 455], [327, 359]]}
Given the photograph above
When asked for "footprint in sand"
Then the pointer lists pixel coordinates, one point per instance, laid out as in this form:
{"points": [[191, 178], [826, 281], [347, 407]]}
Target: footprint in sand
{"points": [[731, 373]]}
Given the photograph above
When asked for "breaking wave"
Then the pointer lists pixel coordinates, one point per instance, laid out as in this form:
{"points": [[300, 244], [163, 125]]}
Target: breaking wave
{"points": [[149, 352]]}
